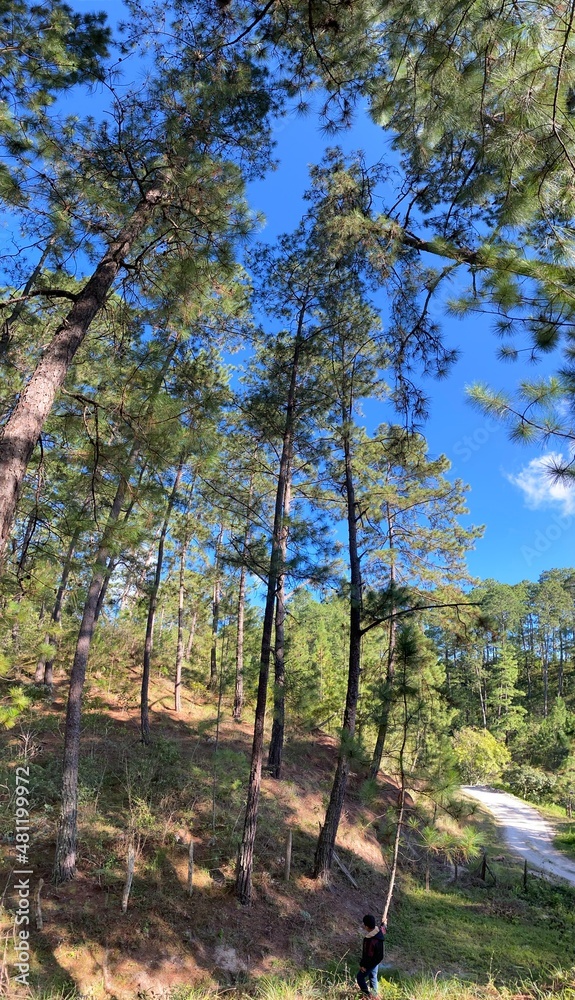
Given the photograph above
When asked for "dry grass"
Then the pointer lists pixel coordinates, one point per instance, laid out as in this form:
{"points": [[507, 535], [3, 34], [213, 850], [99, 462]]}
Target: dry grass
{"points": [[197, 947]]}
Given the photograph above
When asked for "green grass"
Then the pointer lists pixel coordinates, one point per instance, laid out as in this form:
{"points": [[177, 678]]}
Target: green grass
{"points": [[470, 940], [499, 934], [565, 840], [313, 986]]}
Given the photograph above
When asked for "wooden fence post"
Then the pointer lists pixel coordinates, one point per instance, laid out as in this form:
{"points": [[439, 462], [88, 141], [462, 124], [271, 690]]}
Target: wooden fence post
{"points": [[129, 877], [191, 866], [288, 855]]}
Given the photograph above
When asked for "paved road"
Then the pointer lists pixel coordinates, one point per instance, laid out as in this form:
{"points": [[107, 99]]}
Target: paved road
{"points": [[526, 833]]}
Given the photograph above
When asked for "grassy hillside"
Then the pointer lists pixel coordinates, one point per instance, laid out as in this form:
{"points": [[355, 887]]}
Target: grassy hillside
{"points": [[473, 938]]}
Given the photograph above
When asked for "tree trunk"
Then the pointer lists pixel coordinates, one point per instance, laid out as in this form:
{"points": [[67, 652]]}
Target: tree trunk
{"points": [[277, 738], [180, 643], [24, 425], [326, 841], [239, 686], [28, 535], [112, 563], [192, 635], [40, 672], [44, 669], [216, 597], [480, 690], [390, 672], [401, 806], [65, 864], [152, 607], [245, 858]]}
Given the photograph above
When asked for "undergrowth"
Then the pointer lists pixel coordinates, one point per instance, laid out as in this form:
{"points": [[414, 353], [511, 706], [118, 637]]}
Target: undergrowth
{"points": [[317, 986], [565, 840], [467, 938]]}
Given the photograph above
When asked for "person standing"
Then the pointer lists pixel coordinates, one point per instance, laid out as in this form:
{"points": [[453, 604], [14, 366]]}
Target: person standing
{"points": [[371, 955]]}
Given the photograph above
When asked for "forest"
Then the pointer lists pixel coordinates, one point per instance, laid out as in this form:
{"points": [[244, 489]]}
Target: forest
{"points": [[214, 567]]}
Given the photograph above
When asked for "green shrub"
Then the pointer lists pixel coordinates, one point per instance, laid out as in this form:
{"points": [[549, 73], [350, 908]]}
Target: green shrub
{"points": [[530, 782], [479, 756]]}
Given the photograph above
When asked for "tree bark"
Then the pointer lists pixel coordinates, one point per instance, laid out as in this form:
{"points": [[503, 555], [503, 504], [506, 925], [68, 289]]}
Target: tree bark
{"points": [[400, 803], [245, 858], [390, 672], [275, 753], [192, 635], [239, 685], [65, 864], [24, 425], [326, 841], [28, 535], [216, 597], [180, 642], [152, 607], [112, 563], [45, 666]]}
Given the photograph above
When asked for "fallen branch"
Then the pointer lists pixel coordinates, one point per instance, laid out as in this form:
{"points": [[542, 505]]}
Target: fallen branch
{"points": [[345, 871]]}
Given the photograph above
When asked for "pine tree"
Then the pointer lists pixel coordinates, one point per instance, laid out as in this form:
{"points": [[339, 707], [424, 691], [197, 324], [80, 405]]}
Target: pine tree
{"points": [[147, 155]]}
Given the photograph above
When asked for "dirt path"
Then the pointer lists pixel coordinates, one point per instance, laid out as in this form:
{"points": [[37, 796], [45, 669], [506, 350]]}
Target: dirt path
{"points": [[525, 831]]}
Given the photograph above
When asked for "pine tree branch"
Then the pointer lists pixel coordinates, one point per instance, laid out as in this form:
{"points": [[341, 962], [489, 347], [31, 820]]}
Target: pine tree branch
{"points": [[489, 259], [52, 293], [418, 607]]}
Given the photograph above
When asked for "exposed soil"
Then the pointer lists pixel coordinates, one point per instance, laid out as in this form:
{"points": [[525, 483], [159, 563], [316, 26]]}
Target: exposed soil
{"points": [[168, 937]]}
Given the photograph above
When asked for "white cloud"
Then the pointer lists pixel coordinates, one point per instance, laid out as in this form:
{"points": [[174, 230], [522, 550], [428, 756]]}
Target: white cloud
{"points": [[540, 489]]}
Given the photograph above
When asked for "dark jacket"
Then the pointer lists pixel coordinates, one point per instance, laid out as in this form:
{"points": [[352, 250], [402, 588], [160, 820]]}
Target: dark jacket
{"points": [[372, 951]]}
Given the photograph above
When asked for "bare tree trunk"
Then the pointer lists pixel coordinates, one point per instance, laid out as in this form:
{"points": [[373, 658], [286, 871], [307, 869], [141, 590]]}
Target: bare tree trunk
{"points": [[326, 841], [65, 864], [131, 862], [239, 686], [112, 563], [20, 574], [152, 607], [24, 425], [245, 858], [479, 672], [45, 665], [277, 738], [180, 643], [192, 635], [390, 672], [216, 597], [28, 535], [401, 808]]}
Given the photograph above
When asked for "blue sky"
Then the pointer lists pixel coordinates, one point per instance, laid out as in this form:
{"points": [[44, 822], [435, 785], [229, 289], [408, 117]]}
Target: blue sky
{"points": [[529, 522]]}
